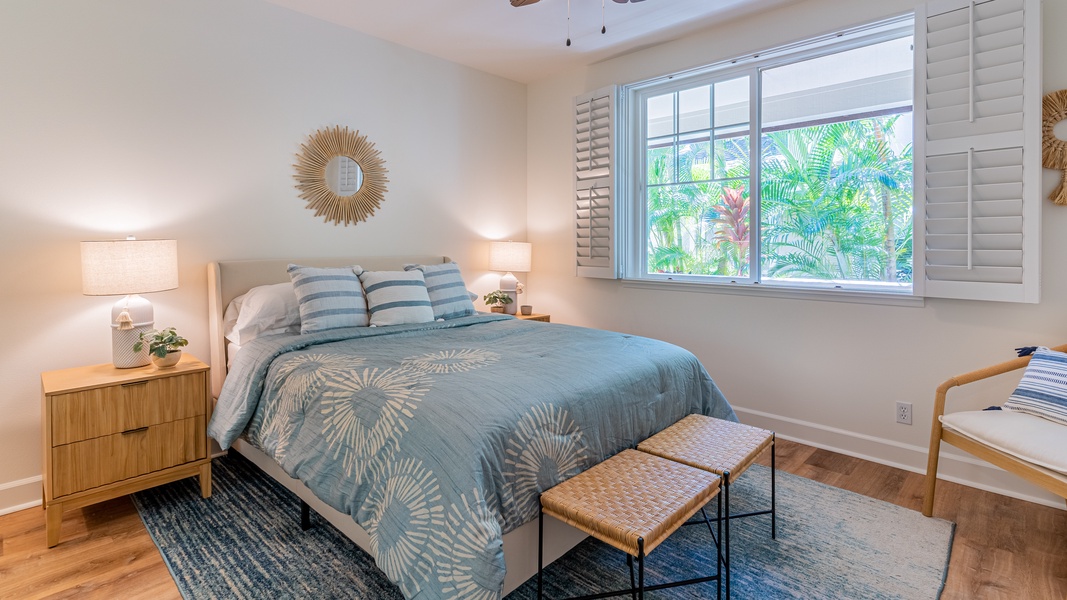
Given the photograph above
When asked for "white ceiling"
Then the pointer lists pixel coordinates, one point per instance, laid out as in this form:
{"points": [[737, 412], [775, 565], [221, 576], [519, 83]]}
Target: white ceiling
{"points": [[526, 43]]}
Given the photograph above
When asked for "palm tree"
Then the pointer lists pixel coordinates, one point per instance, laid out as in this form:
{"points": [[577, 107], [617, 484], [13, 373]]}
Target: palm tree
{"points": [[833, 199]]}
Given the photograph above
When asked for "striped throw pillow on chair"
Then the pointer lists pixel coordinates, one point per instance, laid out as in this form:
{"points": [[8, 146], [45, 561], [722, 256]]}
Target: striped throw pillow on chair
{"points": [[1043, 389]]}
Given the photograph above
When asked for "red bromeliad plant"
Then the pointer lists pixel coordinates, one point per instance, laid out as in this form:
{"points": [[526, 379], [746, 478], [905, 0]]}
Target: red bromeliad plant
{"points": [[733, 231]]}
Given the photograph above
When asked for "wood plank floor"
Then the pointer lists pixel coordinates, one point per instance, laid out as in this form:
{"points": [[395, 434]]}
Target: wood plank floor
{"points": [[1005, 549]]}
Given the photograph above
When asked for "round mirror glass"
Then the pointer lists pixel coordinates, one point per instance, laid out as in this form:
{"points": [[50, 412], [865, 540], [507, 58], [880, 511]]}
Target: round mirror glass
{"points": [[343, 176], [1060, 130]]}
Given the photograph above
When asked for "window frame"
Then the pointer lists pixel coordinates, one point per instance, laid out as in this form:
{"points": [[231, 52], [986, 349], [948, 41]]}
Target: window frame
{"points": [[632, 192]]}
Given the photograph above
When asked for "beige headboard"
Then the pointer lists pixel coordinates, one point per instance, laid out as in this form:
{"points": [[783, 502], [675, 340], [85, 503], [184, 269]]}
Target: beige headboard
{"points": [[227, 280]]}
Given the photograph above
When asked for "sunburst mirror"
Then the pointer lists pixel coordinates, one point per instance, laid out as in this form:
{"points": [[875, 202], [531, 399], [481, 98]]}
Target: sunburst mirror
{"points": [[1054, 149], [341, 175]]}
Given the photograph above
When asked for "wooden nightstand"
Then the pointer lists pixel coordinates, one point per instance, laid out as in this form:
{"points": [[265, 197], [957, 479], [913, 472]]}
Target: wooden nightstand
{"points": [[110, 432], [535, 317]]}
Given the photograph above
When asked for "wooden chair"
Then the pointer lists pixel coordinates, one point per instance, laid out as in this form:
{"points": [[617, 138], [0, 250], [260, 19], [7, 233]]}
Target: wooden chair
{"points": [[1049, 479]]}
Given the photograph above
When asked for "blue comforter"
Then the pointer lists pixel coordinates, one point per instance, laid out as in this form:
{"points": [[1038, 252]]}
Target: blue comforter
{"points": [[437, 438]]}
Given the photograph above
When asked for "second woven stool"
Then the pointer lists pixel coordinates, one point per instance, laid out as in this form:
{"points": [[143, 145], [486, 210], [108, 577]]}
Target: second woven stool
{"points": [[721, 447]]}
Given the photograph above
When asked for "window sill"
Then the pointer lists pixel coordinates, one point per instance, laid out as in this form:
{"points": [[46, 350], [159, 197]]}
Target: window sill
{"points": [[778, 291]]}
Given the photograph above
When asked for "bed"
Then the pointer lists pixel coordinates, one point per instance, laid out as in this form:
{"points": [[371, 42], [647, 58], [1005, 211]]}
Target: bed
{"points": [[428, 443]]}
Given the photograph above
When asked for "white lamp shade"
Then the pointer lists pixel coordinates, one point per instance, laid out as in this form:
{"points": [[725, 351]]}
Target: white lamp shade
{"points": [[510, 256], [120, 267]]}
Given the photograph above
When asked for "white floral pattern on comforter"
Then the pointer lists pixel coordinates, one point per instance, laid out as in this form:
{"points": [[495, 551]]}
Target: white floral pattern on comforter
{"points": [[437, 438]]}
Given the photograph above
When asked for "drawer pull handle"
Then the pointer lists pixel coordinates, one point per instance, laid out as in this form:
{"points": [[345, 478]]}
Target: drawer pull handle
{"points": [[134, 383], [138, 430]]}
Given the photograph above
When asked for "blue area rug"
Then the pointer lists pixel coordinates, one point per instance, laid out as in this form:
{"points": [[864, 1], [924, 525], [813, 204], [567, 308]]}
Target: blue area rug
{"points": [[245, 542]]}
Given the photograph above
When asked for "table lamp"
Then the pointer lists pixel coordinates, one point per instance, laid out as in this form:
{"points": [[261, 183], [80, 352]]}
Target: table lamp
{"points": [[129, 267], [510, 256]]}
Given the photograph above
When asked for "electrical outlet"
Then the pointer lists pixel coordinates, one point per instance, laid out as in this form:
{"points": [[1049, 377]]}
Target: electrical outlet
{"points": [[904, 413]]}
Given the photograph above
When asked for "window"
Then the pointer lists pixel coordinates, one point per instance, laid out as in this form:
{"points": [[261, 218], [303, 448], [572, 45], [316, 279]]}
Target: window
{"points": [[813, 167], [823, 198]]}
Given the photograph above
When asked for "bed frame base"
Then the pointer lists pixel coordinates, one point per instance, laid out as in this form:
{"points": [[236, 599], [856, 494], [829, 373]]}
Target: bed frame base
{"points": [[305, 516], [520, 545]]}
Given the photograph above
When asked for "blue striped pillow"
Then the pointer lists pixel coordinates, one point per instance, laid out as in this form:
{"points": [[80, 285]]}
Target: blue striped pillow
{"points": [[448, 293], [1043, 390], [396, 297], [329, 297]]}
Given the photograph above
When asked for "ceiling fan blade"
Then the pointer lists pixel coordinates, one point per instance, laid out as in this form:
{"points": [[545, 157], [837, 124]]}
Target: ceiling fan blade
{"points": [[525, 2]]}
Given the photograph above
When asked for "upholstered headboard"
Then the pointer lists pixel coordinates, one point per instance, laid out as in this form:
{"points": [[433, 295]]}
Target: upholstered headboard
{"points": [[227, 280]]}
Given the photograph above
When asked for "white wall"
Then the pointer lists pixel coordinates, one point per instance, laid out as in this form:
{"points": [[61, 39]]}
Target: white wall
{"points": [[823, 372], [180, 119]]}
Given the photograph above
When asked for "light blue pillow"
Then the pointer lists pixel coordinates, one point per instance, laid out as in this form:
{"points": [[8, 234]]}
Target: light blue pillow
{"points": [[1043, 389], [396, 297], [330, 297], [448, 294]]}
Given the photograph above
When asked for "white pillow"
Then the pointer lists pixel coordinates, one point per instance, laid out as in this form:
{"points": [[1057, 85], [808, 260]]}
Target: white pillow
{"points": [[262, 310]]}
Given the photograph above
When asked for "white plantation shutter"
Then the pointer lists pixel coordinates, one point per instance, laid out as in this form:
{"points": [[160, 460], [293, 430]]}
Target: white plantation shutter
{"points": [[594, 184], [978, 166]]}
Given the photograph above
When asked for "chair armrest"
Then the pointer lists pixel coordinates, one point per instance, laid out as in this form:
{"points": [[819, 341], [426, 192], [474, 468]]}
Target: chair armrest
{"points": [[978, 375]]}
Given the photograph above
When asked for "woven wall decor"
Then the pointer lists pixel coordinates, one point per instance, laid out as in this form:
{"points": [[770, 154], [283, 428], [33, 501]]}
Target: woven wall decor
{"points": [[325, 145], [1053, 149]]}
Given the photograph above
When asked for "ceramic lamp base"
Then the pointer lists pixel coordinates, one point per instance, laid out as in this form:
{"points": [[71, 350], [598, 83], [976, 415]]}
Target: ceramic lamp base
{"points": [[122, 341], [141, 318], [509, 285]]}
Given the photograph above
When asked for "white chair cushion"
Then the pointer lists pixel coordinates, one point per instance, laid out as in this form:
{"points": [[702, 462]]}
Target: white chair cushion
{"points": [[1032, 439]]}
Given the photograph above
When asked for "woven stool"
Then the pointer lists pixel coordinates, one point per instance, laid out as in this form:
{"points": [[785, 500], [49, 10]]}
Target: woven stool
{"points": [[632, 501], [721, 447]]}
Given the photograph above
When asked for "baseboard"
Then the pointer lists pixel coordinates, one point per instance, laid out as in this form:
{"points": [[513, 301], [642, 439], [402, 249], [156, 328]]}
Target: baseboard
{"points": [[20, 495], [954, 465]]}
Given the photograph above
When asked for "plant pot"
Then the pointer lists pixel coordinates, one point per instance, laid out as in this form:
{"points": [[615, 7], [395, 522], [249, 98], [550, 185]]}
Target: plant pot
{"points": [[497, 309], [167, 361]]}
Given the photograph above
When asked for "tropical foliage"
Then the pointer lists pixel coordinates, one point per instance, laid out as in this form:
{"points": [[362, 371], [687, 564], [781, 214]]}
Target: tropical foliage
{"points": [[835, 205], [698, 222]]}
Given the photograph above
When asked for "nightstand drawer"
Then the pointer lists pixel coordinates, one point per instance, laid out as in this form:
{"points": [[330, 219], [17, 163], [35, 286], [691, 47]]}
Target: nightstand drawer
{"points": [[113, 409], [99, 461]]}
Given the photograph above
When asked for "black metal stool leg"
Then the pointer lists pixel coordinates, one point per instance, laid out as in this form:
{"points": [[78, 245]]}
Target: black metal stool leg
{"points": [[726, 535], [641, 568]]}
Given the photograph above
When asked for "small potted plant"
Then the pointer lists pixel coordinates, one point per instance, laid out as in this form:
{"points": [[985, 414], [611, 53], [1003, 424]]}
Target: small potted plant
{"points": [[496, 300], [164, 346]]}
